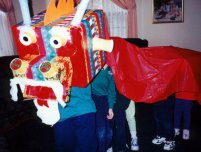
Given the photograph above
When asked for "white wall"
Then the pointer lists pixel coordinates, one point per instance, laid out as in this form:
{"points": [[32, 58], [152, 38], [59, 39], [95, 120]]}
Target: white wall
{"points": [[186, 34], [37, 5]]}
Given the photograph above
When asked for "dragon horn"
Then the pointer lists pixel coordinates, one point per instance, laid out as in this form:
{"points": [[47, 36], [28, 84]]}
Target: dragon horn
{"points": [[25, 12], [81, 8], [102, 44]]}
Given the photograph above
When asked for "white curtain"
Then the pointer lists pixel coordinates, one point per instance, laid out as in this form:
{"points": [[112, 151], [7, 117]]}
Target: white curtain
{"points": [[116, 16], [7, 46]]}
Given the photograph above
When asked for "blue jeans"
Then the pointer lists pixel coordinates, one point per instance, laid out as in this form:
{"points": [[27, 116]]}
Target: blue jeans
{"points": [[182, 109], [163, 115], [104, 127], [76, 134], [120, 139]]}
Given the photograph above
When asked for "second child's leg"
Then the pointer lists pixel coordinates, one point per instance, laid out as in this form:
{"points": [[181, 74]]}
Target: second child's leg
{"points": [[102, 123], [120, 130], [130, 116]]}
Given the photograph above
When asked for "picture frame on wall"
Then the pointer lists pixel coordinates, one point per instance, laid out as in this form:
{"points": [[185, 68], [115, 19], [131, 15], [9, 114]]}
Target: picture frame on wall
{"points": [[168, 11]]}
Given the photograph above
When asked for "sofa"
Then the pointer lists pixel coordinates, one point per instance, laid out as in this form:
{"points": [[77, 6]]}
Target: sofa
{"points": [[12, 114]]}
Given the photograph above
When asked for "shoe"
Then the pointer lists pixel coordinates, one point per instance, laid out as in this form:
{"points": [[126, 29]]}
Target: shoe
{"points": [[109, 149], [134, 144], [169, 145], [158, 140], [186, 134], [176, 132]]}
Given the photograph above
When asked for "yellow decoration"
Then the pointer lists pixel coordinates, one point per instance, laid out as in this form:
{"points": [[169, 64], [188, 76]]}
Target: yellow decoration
{"points": [[53, 12], [20, 68], [51, 71]]}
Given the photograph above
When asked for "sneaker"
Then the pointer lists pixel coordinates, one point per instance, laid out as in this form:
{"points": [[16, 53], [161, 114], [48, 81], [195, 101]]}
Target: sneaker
{"points": [[158, 140], [169, 145], [109, 149], [176, 132], [134, 144], [186, 134]]}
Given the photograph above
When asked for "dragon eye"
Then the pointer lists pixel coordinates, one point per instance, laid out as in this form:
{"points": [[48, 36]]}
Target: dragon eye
{"points": [[57, 42], [60, 36], [27, 38]]}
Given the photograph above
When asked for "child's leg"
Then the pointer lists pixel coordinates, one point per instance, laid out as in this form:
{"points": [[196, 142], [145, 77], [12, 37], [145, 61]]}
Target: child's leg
{"points": [[187, 104], [120, 129], [168, 118], [85, 133], [187, 113], [130, 116], [64, 134], [159, 118], [177, 115], [103, 130]]}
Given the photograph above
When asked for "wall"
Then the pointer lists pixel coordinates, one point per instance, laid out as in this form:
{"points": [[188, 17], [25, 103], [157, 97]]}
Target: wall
{"points": [[186, 34], [37, 6]]}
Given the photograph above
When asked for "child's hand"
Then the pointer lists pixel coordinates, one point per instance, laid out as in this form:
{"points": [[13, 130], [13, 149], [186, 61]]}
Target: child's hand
{"points": [[110, 114]]}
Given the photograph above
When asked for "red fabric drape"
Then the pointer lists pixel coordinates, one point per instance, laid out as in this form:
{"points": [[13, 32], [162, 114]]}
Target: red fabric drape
{"points": [[7, 6], [129, 5], [152, 74]]}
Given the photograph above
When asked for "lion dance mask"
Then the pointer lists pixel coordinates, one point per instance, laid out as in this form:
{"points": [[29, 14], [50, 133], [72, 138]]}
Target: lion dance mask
{"points": [[57, 48]]}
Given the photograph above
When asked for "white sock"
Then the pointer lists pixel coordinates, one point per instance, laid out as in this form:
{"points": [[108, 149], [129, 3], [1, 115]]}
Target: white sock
{"points": [[177, 131], [133, 134]]}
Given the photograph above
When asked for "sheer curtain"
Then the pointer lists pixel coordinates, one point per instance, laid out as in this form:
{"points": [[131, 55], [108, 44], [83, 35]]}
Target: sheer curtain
{"points": [[7, 19], [7, 46], [130, 6], [116, 17], [7, 7]]}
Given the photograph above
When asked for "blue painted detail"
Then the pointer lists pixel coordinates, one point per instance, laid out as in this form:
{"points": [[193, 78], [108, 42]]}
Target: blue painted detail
{"points": [[37, 75], [89, 42], [50, 54], [50, 51]]}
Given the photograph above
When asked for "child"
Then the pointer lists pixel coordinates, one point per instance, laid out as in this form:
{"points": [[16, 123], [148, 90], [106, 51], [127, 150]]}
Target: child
{"points": [[76, 129], [104, 96]]}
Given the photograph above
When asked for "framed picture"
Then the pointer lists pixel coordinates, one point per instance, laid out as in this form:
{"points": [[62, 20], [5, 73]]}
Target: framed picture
{"points": [[168, 11]]}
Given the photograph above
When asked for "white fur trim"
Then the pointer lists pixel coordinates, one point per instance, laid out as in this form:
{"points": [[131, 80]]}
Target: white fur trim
{"points": [[56, 86], [49, 115], [13, 90]]}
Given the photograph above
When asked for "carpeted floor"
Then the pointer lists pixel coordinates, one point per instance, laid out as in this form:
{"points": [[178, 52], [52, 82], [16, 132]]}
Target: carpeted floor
{"points": [[33, 136], [146, 130]]}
